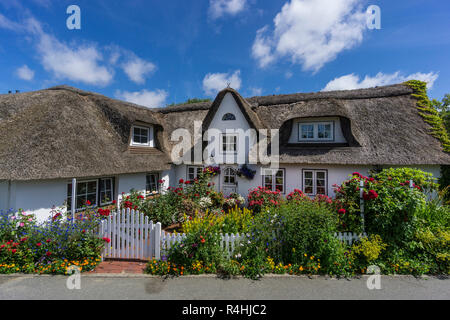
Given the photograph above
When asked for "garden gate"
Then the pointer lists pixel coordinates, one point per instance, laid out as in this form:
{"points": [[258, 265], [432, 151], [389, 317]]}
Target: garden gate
{"points": [[130, 235]]}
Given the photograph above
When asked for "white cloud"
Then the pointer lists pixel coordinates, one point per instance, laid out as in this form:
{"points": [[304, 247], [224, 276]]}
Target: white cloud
{"points": [[352, 81], [288, 74], [311, 33], [219, 8], [25, 73], [149, 99], [215, 82], [138, 69], [256, 91], [262, 48], [6, 23], [80, 64]]}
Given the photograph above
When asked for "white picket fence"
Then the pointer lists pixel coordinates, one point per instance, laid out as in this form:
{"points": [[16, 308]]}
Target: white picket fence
{"points": [[133, 236], [349, 237], [227, 242]]}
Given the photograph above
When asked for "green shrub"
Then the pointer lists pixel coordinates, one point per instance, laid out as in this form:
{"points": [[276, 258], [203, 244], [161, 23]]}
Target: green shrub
{"points": [[189, 198], [198, 249], [399, 176]]}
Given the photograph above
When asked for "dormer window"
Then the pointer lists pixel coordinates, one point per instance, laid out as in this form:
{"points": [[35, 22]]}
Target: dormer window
{"points": [[229, 117], [316, 131], [142, 137]]}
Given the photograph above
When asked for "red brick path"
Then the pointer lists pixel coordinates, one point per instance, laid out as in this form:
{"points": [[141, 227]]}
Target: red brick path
{"points": [[118, 267]]}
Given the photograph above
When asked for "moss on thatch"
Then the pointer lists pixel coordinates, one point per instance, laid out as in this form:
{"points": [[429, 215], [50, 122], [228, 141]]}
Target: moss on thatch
{"points": [[429, 114]]}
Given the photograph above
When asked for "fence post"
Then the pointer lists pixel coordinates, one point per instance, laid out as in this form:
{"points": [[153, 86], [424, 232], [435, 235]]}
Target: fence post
{"points": [[361, 196], [158, 241], [74, 199]]}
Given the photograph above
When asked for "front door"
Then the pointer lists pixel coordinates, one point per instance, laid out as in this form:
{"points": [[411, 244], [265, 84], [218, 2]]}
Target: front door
{"points": [[229, 184]]}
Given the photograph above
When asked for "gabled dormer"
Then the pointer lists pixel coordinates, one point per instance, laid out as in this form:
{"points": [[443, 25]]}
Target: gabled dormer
{"points": [[230, 118], [326, 130], [143, 138]]}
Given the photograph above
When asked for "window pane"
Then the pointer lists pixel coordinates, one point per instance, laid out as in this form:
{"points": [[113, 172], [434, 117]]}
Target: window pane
{"points": [[106, 191], [321, 190], [324, 131], [307, 132], [81, 201], [92, 187], [144, 139], [81, 188], [308, 182], [279, 180], [92, 198], [152, 183]]}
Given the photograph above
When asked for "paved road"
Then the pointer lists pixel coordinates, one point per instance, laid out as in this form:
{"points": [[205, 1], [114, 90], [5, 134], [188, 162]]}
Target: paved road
{"points": [[207, 288]]}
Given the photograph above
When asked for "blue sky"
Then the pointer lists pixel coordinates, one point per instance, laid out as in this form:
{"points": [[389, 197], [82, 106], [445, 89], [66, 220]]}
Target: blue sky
{"points": [[160, 52]]}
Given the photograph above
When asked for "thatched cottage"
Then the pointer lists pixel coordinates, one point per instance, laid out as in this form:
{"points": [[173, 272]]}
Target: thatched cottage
{"points": [[52, 136]]}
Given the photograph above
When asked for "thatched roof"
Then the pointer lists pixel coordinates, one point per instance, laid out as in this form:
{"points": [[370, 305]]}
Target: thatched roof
{"points": [[382, 126], [64, 133]]}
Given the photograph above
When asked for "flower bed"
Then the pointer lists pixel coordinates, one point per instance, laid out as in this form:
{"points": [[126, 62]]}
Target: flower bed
{"points": [[51, 247], [408, 234]]}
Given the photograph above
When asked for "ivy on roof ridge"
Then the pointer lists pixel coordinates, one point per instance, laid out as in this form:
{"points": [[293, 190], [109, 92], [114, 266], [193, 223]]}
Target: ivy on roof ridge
{"points": [[429, 113]]}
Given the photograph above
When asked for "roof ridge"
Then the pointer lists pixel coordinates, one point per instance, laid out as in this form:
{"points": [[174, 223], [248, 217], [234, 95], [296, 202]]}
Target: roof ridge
{"points": [[362, 93]]}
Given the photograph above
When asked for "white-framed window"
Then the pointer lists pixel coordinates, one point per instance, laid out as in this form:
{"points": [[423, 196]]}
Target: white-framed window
{"points": [[106, 191], [274, 179], [315, 182], [142, 136], [194, 172], [99, 192], [316, 131], [229, 143], [152, 183]]}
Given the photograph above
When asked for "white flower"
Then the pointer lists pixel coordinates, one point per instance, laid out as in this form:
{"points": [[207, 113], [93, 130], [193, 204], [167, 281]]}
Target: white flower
{"points": [[205, 202]]}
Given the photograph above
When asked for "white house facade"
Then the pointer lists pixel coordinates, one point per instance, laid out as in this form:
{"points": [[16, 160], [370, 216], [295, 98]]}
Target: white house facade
{"points": [[111, 147]]}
